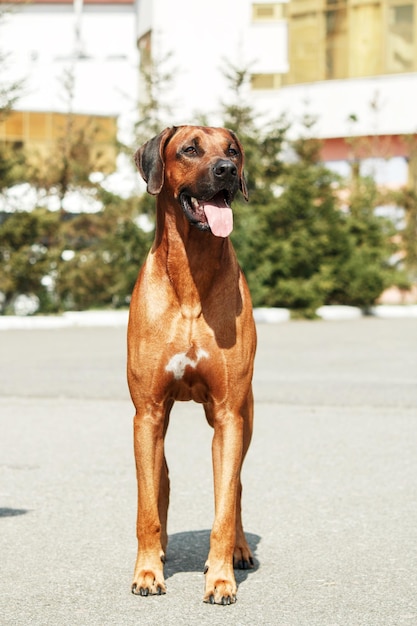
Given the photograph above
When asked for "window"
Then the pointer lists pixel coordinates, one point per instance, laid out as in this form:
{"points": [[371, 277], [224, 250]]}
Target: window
{"points": [[400, 38], [306, 47], [40, 132], [268, 12], [336, 43], [266, 81]]}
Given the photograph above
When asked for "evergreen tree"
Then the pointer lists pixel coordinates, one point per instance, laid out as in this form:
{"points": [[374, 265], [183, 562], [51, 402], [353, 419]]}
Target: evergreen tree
{"points": [[10, 90], [153, 109], [12, 159], [307, 235], [364, 275], [27, 240], [297, 247], [71, 160], [108, 250], [408, 200], [263, 166]]}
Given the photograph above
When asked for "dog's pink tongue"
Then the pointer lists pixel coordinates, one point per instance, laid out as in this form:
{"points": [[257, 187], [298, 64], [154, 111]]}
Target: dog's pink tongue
{"points": [[220, 218]]}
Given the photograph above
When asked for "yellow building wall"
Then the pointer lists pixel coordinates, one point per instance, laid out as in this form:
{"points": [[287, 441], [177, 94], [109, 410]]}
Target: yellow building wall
{"points": [[39, 133], [306, 45], [365, 40], [350, 38]]}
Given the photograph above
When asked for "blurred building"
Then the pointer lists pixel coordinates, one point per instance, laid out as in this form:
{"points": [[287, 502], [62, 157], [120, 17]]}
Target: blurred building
{"points": [[200, 41], [355, 63], [43, 133], [77, 57], [351, 64]]}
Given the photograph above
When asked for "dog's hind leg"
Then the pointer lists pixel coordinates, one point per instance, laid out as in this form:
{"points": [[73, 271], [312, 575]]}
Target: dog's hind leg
{"points": [[242, 555], [164, 488]]}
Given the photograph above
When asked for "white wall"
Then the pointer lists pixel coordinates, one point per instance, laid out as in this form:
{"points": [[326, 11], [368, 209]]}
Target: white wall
{"points": [[41, 39], [266, 48], [204, 37], [203, 34], [334, 101]]}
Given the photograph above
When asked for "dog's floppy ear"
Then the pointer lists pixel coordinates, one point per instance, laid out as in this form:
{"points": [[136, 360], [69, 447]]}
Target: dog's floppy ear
{"points": [[150, 162], [242, 180], [243, 187]]}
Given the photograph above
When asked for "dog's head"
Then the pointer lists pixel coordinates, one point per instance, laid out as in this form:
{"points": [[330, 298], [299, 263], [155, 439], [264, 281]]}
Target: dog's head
{"points": [[201, 167]]}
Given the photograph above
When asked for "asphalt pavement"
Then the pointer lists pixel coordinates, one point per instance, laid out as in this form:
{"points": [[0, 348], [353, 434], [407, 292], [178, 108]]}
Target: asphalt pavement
{"points": [[330, 482]]}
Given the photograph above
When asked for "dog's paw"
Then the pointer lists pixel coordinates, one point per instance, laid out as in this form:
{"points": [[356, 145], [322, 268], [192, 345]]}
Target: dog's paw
{"points": [[219, 590], [242, 558], [222, 592], [148, 583]]}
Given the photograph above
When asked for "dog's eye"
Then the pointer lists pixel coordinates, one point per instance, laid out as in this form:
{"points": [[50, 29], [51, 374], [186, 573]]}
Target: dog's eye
{"points": [[232, 152], [190, 150]]}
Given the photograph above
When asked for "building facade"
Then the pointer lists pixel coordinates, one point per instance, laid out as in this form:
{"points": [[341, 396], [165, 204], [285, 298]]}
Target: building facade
{"points": [[77, 57], [340, 39], [351, 64], [202, 40]]}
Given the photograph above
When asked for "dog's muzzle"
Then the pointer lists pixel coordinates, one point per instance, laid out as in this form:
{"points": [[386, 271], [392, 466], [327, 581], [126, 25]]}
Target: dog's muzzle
{"points": [[214, 213]]}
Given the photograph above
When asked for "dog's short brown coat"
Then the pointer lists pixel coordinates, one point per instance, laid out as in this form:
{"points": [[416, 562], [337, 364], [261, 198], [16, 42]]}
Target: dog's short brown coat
{"points": [[191, 336]]}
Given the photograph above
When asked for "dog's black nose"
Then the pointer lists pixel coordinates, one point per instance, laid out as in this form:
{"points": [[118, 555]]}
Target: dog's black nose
{"points": [[224, 169]]}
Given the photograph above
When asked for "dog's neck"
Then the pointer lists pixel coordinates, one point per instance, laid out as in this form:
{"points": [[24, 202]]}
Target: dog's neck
{"points": [[194, 259]]}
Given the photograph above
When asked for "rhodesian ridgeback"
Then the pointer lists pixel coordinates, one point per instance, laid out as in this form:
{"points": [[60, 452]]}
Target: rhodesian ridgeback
{"points": [[191, 336]]}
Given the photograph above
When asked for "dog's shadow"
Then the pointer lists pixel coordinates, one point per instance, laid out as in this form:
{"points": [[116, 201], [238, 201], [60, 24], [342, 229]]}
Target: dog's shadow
{"points": [[187, 552], [6, 512]]}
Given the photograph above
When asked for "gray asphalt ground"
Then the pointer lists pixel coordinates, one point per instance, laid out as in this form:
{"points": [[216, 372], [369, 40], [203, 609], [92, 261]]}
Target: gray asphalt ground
{"points": [[330, 483]]}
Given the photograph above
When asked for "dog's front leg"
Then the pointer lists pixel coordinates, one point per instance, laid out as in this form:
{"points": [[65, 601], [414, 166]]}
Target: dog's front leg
{"points": [[227, 456], [150, 465]]}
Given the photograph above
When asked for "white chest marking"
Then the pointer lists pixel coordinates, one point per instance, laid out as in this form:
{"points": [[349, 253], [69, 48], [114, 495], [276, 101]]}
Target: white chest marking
{"points": [[179, 362]]}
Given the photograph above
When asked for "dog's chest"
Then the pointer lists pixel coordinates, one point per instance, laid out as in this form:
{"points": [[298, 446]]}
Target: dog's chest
{"points": [[189, 372], [180, 361]]}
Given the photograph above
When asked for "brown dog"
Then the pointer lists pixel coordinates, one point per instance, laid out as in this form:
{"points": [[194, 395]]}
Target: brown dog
{"points": [[191, 336]]}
